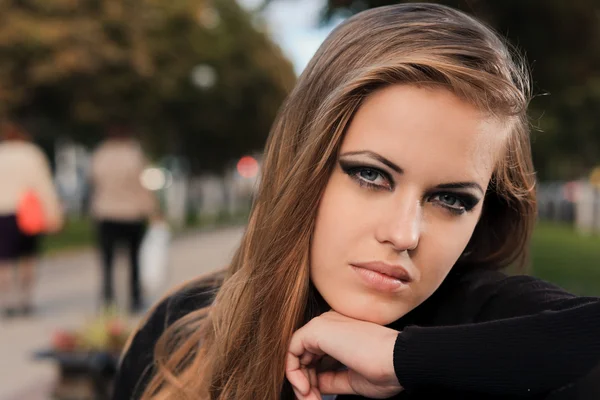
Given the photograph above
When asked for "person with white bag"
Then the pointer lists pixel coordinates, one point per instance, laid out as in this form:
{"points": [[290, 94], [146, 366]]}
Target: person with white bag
{"points": [[121, 207]]}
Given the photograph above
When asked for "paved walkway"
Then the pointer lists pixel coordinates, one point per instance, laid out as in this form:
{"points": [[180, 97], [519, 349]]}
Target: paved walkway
{"points": [[67, 296]]}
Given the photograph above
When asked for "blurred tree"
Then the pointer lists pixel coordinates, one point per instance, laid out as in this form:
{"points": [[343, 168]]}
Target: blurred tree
{"points": [[69, 67], [561, 40]]}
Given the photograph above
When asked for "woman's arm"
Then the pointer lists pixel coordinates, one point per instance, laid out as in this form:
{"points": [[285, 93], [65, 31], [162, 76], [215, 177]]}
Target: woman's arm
{"points": [[527, 337], [495, 336]]}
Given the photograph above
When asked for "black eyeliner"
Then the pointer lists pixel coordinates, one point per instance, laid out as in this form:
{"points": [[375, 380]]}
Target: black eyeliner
{"points": [[468, 201], [351, 167]]}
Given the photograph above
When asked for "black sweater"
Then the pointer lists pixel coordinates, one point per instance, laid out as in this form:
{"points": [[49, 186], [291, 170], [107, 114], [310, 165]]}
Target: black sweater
{"points": [[481, 335]]}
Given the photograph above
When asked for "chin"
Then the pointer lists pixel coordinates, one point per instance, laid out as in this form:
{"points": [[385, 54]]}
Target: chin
{"points": [[377, 312]]}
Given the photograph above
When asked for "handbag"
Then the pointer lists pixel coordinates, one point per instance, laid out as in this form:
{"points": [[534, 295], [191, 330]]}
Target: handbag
{"points": [[31, 218], [154, 257]]}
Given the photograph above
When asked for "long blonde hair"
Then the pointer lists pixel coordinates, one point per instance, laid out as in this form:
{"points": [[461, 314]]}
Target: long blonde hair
{"points": [[236, 348]]}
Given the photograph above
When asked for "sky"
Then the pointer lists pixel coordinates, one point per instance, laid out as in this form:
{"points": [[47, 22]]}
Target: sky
{"points": [[294, 25]]}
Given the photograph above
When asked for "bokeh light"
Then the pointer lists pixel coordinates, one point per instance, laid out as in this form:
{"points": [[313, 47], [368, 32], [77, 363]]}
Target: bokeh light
{"points": [[156, 178], [247, 167]]}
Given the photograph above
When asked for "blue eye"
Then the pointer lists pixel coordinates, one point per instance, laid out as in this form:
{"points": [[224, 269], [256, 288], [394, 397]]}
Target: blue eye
{"points": [[450, 200], [455, 203], [370, 178], [367, 176]]}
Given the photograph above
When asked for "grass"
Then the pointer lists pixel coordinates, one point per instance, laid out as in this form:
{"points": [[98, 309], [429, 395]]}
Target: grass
{"points": [[562, 256], [77, 233]]}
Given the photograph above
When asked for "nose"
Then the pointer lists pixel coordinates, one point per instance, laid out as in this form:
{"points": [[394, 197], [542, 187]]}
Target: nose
{"points": [[400, 225]]}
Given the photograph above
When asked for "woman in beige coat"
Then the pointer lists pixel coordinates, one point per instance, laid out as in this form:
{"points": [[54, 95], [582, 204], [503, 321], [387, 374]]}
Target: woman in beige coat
{"points": [[120, 206], [24, 169]]}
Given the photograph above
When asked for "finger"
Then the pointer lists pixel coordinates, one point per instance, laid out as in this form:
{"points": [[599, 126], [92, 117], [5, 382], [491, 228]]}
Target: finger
{"points": [[297, 394], [299, 381], [296, 374], [312, 377], [312, 395], [305, 340], [335, 382], [308, 358]]}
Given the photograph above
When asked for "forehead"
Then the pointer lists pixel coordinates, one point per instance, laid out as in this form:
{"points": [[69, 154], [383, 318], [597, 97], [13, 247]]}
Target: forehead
{"points": [[427, 131]]}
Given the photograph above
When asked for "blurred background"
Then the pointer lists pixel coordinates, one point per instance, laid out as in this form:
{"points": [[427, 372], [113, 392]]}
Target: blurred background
{"points": [[189, 89]]}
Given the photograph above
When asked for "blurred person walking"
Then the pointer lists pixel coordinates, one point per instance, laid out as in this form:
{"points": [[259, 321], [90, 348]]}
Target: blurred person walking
{"points": [[29, 207], [121, 207]]}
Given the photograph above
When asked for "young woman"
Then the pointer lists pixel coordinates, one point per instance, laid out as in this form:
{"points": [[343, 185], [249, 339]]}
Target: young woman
{"points": [[397, 184]]}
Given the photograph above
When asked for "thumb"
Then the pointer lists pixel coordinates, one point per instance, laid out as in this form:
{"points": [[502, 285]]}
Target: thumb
{"points": [[335, 382]]}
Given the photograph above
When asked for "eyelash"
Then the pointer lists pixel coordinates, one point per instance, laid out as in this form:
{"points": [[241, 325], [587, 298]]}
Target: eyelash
{"points": [[467, 202]]}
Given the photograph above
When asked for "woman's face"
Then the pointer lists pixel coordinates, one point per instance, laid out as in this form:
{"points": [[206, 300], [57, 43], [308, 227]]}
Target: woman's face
{"points": [[402, 202]]}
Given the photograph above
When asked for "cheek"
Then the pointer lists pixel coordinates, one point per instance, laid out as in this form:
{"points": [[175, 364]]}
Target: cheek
{"points": [[441, 245], [340, 233], [333, 228]]}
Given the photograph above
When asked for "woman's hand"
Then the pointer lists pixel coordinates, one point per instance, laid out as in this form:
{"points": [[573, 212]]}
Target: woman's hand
{"points": [[364, 348]]}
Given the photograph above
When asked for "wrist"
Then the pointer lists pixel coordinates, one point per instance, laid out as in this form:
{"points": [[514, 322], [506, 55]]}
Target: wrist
{"points": [[391, 340]]}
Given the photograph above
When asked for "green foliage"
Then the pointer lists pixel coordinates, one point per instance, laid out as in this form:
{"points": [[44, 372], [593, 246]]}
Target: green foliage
{"points": [[561, 41], [72, 66]]}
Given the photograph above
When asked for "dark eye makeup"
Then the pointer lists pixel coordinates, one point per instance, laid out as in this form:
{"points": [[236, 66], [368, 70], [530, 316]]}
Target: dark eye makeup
{"points": [[375, 178], [366, 175]]}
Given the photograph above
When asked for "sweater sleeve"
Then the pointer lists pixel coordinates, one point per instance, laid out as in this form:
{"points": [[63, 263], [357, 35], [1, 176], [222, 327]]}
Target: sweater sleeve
{"points": [[527, 337]]}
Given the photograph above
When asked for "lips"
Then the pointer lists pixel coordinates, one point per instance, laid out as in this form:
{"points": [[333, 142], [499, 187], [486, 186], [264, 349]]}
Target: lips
{"points": [[394, 271]]}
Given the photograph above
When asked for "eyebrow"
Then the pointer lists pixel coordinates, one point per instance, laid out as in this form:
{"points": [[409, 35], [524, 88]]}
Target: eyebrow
{"points": [[396, 168], [376, 156], [461, 185]]}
